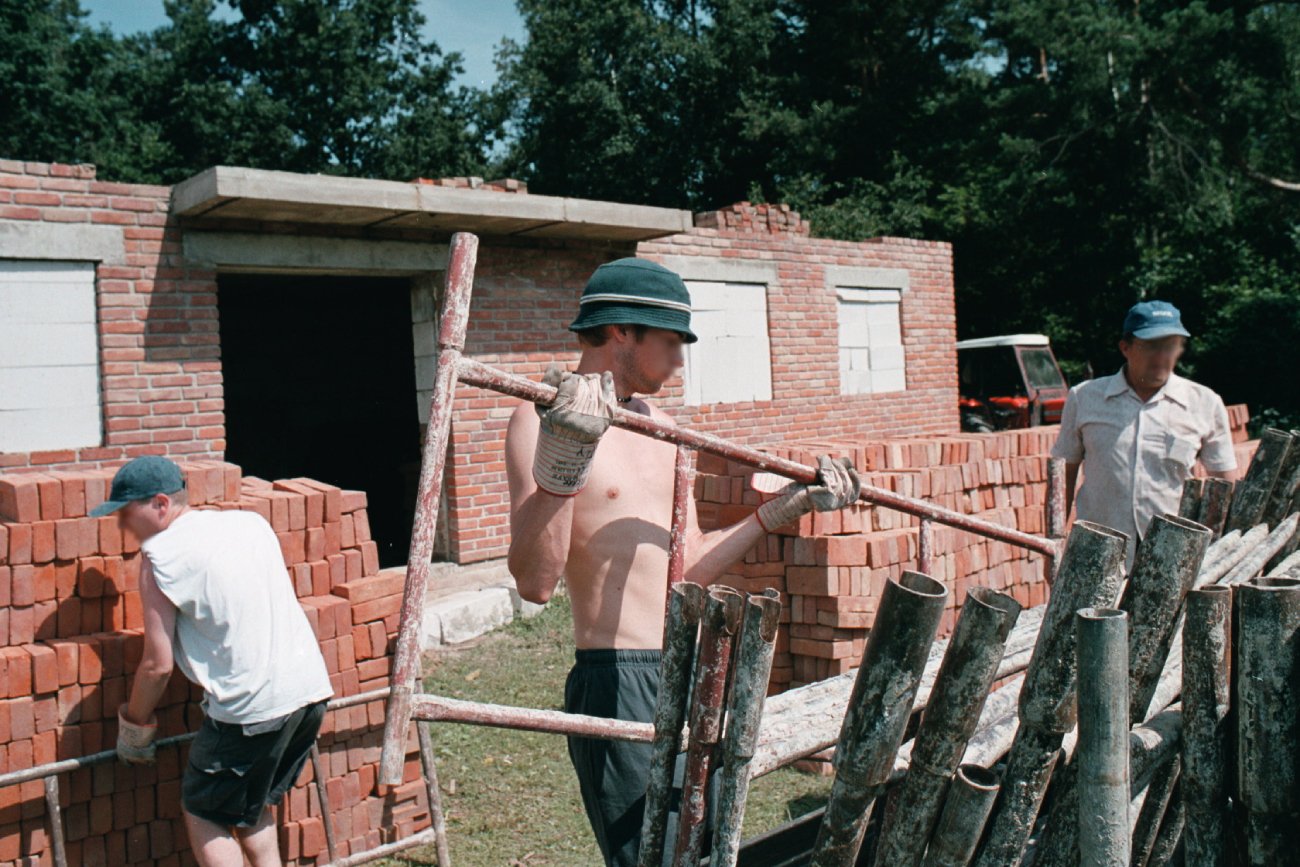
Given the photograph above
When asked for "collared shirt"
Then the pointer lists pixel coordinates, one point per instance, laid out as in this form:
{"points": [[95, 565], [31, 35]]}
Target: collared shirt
{"points": [[1135, 454]]}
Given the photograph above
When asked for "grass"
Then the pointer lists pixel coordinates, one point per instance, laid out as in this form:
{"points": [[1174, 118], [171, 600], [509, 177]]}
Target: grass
{"points": [[511, 798]]}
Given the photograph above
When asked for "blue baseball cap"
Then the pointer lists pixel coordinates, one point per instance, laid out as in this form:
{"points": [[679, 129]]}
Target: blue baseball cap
{"points": [[1151, 320], [141, 479]]}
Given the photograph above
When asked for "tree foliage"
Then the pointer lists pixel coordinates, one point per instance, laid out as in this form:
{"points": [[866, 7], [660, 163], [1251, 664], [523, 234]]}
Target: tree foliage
{"points": [[1080, 154]]}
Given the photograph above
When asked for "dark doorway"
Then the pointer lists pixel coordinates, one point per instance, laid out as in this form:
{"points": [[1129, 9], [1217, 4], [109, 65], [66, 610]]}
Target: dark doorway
{"points": [[320, 382]]}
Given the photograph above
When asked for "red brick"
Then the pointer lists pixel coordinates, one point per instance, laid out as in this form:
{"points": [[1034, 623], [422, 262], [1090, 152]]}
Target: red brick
{"points": [[66, 656], [51, 494], [45, 668], [6, 589], [313, 837], [74, 494], [23, 582], [320, 578], [67, 533], [4, 544], [351, 501], [43, 580], [371, 587], [20, 544], [90, 664], [369, 558], [43, 548], [20, 498], [65, 578], [90, 578], [376, 609], [315, 543], [361, 526]]}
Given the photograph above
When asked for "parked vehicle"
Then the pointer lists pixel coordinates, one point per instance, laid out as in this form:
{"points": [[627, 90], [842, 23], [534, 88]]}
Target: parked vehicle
{"points": [[1012, 381]]}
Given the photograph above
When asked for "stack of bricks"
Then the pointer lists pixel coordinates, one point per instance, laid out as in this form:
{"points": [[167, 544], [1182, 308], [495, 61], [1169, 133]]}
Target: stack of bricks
{"points": [[71, 638], [471, 182], [751, 217], [831, 568]]}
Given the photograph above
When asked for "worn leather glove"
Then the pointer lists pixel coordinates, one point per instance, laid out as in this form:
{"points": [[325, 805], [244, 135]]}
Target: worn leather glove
{"points": [[135, 743], [571, 428], [839, 487]]}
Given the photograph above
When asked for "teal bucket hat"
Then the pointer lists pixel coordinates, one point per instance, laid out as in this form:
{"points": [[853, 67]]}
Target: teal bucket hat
{"points": [[635, 292]]}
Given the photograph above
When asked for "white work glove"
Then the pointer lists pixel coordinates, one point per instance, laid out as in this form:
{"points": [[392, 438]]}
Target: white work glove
{"points": [[135, 743], [571, 428], [839, 487]]}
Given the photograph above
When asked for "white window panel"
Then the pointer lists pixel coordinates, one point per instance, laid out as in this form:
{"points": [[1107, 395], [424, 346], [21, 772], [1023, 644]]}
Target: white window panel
{"points": [[49, 356], [732, 361], [870, 340]]}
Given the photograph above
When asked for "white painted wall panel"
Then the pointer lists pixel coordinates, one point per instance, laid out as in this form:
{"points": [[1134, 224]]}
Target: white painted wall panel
{"points": [[49, 356], [732, 362]]}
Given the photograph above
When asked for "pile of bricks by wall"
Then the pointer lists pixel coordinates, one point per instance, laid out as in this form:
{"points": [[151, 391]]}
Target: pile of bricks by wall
{"points": [[831, 568], [71, 637]]}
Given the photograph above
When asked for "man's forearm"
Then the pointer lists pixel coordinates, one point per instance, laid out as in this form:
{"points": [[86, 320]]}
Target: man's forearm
{"points": [[710, 554], [146, 692], [539, 544]]}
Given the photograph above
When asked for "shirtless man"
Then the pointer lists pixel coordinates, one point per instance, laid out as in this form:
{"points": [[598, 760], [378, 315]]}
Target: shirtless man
{"points": [[600, 518]]}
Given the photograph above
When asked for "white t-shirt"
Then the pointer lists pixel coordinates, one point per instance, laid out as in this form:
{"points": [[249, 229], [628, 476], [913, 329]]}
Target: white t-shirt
{"points": [[240, 633]]}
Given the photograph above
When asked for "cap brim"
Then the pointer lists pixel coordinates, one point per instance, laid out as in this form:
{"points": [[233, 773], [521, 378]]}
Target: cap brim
{"points": [[107, 508], [1155, 332], [593, 315]]}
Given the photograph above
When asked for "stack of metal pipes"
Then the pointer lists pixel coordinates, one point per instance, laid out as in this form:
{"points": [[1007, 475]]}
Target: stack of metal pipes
{"points": [[1111, 740]]}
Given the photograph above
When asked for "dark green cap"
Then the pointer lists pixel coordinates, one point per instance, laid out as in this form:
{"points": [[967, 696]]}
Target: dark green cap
{"points": [[635, 292], [141, 479]]}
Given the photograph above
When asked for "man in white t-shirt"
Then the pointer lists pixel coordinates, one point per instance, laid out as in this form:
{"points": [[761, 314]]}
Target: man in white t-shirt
{"points": [[219, 603]]}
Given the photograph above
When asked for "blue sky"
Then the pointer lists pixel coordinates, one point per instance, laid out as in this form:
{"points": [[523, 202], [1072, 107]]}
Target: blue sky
{"points": [[472, 27]]}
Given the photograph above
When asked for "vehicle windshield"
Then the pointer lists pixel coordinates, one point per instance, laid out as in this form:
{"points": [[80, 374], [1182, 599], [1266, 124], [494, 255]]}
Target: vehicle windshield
{"points": [[1040, 368], [990, 372]]}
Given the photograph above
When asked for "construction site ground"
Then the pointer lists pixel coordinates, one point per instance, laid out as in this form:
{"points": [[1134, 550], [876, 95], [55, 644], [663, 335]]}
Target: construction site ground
{"points": [[511, 797]]}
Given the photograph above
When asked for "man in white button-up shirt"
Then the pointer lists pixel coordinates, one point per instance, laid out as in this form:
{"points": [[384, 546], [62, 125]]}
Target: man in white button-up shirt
{"points": [[1139, 432]]}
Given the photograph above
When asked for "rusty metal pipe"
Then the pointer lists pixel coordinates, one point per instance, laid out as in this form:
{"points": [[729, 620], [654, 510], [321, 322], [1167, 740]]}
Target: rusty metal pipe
{"points": [[1165, 567], [1151, 808], [437, 708], [1255, 561], [406, 658], [1268, 716], [322, 792], [925, 547], [1089, 577], [1253, 492], [750, 673], [682, 476], [1057, 513], [437, 816], [1172, 832], [58, 844], [476, 373], [1286, 486], [686, 603], [1216, 498], [965, 677], [1189, 504], [965, 810], [1207, 697], [718, 627], [1103, 819], [878, 711], [1236, 549]]}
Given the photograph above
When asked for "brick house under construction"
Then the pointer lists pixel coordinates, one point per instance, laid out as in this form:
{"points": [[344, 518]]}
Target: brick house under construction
{"points": [[285, 323]]}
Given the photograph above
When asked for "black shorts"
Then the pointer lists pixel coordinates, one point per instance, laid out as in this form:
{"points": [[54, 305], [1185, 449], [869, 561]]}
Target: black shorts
{"points": [[236, 771], [612, 775]]}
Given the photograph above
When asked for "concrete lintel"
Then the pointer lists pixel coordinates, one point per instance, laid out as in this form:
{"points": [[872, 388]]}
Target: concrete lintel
{"points": [[287, 196], [722, 269], [239, 251], [841, 276], [73, 242]]}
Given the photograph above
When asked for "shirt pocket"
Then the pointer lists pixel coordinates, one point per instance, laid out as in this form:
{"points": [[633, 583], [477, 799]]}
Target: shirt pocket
{"points": [[1182, 450]]}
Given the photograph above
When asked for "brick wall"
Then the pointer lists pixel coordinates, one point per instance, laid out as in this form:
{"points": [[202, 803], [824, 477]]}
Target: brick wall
{"points": [[159, 356], [71, 637], [525, 297]]}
